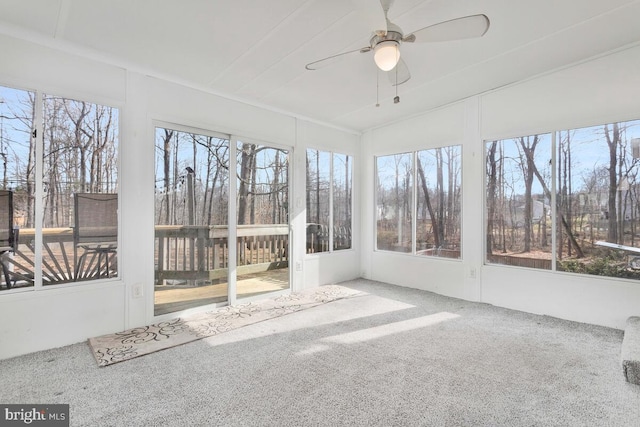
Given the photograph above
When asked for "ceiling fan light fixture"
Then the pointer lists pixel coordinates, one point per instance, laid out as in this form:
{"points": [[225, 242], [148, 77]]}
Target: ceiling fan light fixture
{"points": [[386, 54]]}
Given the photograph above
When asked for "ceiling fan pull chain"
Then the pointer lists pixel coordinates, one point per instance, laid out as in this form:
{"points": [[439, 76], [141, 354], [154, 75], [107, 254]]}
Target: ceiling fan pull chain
{"points": [[397, 98]]}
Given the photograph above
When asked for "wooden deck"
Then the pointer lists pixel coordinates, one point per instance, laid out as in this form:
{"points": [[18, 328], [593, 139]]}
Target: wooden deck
{"points": [[191, 263], [169, 299], [192, 253], [62, 259]]}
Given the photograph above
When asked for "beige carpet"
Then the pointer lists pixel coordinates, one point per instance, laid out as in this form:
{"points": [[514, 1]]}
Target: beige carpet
{"points": [[391, 356], [136, 342]]}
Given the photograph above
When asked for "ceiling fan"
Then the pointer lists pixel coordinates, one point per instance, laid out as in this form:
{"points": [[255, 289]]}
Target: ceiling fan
{"points": [[385, 43]]}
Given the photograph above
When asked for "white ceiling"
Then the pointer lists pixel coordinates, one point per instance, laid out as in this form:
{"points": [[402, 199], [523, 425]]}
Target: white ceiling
{"points": [[256, 50]]}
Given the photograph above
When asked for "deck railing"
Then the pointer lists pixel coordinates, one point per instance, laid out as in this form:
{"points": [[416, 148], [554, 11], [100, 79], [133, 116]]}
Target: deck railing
{"points": [[189, 252], [318, 238], [181, 253]]}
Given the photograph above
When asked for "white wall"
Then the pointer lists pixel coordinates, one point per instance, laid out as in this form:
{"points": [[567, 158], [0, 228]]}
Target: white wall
{"points": [[52, 317], [55, 316], [442, 127], [595, 92]]}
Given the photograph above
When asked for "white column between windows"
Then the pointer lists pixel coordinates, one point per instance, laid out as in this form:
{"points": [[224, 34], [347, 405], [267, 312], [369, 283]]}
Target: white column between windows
{"points": [[38, 128], [232, 220], [554, 207], [414, 204]]}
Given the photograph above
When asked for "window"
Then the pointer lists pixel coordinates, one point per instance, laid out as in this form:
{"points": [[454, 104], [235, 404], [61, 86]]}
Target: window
{"points": [[18, 151], [434, 202], [342, 167], [519, 201], [597, 200], [80, 161], [566, 201], [394, 202], [71, 208], [329, 193], [438, 214]]}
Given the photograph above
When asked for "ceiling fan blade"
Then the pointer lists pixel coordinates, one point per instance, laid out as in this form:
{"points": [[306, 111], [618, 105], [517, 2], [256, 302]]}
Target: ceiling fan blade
{"points": [[321, 63], [455, 29], [386, 5], [399, 74], [374, 16]]}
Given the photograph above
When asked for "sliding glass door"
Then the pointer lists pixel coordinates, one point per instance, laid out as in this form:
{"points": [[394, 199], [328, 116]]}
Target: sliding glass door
{"points": [[199, 258], [191, 217], [262, 202]]}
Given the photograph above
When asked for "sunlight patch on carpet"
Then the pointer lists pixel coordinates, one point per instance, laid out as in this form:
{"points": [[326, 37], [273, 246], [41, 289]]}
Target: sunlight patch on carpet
{"points": [[136, 342], [392, 328]]}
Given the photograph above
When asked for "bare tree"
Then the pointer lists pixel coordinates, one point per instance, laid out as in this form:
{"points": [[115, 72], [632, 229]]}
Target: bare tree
{"points": [[492, 183], [440, 194], [563, 221], [432, 215], [528, 146], [166, 166], [247, 153], [613, 139]]}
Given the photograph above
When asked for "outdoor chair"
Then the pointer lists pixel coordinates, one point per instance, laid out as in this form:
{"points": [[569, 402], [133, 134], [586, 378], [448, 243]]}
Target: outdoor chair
{"points": [[95, 233], [8, 233]]}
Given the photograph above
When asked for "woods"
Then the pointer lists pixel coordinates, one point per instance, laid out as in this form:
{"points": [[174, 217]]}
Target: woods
{"points": [[549, 196], [263, 185], [192, 180], [49, 171], [80, 155], [80, 151], [596, 197], [437, 207], [203, 161], [328, 200]]}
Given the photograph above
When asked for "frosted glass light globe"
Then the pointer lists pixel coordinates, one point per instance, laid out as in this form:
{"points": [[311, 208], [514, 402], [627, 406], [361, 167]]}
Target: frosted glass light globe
{"points": [[386, 55]]}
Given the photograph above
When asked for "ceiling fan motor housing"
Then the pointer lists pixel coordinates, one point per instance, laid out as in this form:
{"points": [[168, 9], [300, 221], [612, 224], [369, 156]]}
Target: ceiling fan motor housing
{"points": [[395, 36]]}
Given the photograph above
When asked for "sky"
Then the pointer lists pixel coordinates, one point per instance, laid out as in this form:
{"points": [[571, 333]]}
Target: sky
{"points": [[589, 152]]}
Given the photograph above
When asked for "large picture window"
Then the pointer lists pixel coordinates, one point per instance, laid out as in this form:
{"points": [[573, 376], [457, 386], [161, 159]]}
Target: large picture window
{"points": [[518, 174], [329, 193], [424, 186], [566, 201], [72, 207]]}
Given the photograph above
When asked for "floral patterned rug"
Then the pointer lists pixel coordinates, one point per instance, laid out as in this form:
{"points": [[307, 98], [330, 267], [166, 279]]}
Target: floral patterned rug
{"points": [[136, 342]]}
